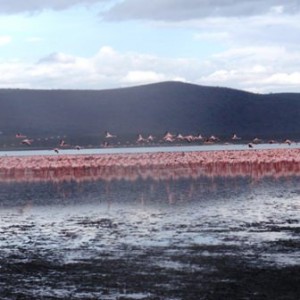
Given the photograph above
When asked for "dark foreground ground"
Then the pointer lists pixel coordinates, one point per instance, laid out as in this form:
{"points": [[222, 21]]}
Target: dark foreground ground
{"points": [[209, 272], [203, 239]]}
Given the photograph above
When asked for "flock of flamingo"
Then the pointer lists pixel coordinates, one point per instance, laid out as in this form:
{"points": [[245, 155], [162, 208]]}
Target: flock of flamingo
{"points": [[166, 138], [157, 166]]}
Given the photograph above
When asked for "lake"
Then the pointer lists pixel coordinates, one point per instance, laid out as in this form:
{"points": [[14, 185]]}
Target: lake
{"points": [[154, 149]]}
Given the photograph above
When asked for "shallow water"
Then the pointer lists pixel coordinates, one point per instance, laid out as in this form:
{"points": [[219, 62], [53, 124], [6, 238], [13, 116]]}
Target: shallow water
{"points": [[204, 238], [154, 149]]}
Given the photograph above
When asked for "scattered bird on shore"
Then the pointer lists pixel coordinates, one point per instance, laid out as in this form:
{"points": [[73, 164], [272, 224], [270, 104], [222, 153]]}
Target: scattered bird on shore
{"points": [[256, 141], [213, 138], [179, 137], [287, 141], [150, 138], [235, 137], [26, 142], [140, 138], [250, 145], [105, 144], [198, 137], [208, 141], [20, 136], [77, 147], [272, 142], [109, 135], [189, 138], [62, 143], [169, 137], [56, 150]]}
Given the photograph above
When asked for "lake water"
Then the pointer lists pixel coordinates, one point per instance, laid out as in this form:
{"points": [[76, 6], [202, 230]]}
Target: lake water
{"points": [[214, 147], [201, 238]]}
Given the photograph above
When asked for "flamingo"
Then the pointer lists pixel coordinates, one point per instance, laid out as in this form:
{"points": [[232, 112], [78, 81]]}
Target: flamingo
{"points": [[198, 137], [213, 138], [27, 142], [20, 136], [189, 138], [105, 144], [62, 143], [169, 137], [180, 137], [256, 141], [109, 135], [150, 138], [158, 165], [140, 139], [235, 137]]}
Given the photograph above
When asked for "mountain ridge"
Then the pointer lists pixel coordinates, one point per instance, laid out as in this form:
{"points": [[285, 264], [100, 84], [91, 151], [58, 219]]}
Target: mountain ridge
{"points": [[149, 109]]}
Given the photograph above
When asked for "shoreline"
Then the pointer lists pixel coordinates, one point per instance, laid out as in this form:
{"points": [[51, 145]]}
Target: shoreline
{"points": [[157, 166], [146, 149]]}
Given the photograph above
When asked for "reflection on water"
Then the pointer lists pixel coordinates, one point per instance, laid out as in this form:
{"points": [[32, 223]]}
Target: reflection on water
{"points": [[189, 238]]}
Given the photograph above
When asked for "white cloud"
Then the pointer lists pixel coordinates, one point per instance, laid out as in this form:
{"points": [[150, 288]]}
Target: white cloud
{"points": [[19, 6], [106, 69], [138, 77], [33, 39], [254, 69], [284, 79], [160, 9], [182, 10], [208, 35], [264, 69], [5, 39]]}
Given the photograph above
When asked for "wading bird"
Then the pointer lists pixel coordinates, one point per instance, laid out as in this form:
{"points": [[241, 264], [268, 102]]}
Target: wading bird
{"points": [[26, 142], [109, 135]]}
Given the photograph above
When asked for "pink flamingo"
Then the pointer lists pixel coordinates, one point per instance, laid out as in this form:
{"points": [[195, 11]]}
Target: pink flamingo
{"points": [[235, 137], [62, 143], [179, 137], [150, 138], [168, 137], [20, 136], [109, 135], [140, 139], [289, 142], [256, 141], [26, 142]]}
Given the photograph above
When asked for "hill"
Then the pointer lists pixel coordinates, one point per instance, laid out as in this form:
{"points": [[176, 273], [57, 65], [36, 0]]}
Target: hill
{"points": [[153, 108]]}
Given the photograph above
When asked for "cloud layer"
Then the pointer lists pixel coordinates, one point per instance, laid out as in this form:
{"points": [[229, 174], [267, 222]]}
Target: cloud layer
{"points": [[106, 69], [17, 6], [109, 68], [182, 10], [175, 10], [252, 45]]}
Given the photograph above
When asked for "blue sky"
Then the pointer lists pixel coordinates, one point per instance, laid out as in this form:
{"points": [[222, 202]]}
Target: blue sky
{"points": [[99, 44]]}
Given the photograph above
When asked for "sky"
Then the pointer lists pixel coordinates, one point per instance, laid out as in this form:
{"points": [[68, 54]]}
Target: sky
{"points": [[252, 45]]}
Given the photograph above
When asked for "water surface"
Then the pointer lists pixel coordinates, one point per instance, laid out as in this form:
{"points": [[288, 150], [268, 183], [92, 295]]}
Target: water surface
{"points": [[154, 149], [202, 238]]}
